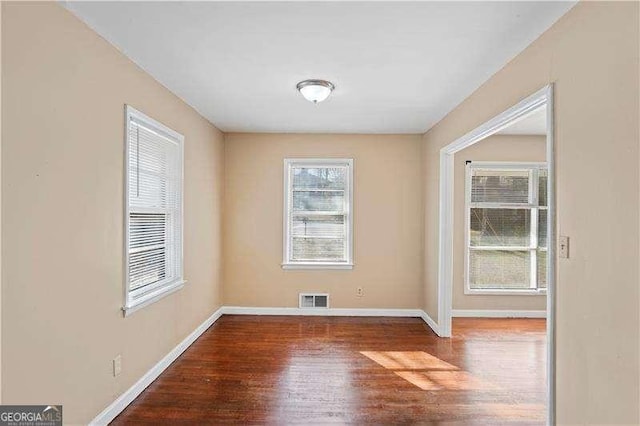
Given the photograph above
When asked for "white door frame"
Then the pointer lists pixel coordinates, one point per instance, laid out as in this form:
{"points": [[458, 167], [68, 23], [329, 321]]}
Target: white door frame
{"points": [[525, 107]]}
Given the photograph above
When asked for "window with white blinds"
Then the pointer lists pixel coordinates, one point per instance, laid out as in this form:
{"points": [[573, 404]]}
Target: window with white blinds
{"points": [[317, 208], [506, 228], [153, 217]]}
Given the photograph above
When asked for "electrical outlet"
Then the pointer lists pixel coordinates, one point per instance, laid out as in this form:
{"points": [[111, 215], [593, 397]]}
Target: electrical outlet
{"points": [[117, 365], [359, 292], [564, 247]]}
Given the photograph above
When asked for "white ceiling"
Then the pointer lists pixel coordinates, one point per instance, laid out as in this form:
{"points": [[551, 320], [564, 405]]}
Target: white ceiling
{"points": [[398, 67], [533, 124]]}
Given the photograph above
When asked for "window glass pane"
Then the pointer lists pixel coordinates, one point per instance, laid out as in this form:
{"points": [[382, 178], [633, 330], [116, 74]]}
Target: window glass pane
{"points": [[499, 269], [146, 229], [542, 187], [500, 227], [147, 267], [318, 218], [318, 226], [542, 269], [318, 249], [323, 200], [154, 167], [500, 186], [319, 177], [154, 201], [147, 249], [542, 228]]}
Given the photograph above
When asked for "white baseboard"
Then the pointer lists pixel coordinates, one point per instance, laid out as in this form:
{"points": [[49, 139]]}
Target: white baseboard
{"points": [[430, 322], [116, 407], [333, 312], [329, 312], [471, 313]]}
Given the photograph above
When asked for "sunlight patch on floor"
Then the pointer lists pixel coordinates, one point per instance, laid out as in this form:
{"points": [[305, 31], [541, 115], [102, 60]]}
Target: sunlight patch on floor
{"points": [[426, 371], [409, 360]]}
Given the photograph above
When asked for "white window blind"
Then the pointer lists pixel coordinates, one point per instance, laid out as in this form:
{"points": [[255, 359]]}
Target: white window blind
{"points": [[506, 227], [153, 210], [500, 186], [317, 209]]}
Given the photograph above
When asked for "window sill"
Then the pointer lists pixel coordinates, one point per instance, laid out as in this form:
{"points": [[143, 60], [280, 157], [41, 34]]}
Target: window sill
{"points": [[152, 297], [317, 266], [498, 292]]}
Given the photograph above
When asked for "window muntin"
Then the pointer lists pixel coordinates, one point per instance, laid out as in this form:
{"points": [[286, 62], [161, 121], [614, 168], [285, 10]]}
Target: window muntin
{"points": [[506, 228], [153, 216], [318, 213]]}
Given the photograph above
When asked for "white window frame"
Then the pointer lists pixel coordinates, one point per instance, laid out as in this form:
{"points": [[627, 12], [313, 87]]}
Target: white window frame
{"points": [[289, 165], [139, 298], [533, 205]]}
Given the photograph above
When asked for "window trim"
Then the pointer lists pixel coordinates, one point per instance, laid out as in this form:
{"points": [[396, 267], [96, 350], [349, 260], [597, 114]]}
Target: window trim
{"points": [[532, 205], [289, 163], [159, 290]]}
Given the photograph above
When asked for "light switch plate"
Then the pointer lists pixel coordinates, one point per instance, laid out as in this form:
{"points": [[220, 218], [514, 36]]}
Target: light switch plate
{"points": [[564, 247], [117, 365]]}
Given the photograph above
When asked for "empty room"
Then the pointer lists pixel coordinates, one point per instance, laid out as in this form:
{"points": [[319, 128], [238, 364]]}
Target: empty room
{"points": [[295, 213]]}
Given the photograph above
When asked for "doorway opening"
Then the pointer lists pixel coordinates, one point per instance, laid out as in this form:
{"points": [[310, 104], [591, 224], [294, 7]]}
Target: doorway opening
{"points": [[529, 267]]}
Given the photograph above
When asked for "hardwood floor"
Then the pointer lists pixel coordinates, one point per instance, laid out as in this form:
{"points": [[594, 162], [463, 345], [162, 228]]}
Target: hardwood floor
{"points": [[336, 370]]}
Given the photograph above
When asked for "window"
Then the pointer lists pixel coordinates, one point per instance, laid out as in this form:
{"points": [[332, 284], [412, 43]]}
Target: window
{"points": [[318, 221], [153, 210], [506, 228]]}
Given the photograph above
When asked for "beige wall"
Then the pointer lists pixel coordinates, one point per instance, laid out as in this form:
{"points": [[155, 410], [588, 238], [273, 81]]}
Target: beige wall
{"points": [[63, 92], [387, 221], [592, 56], [0, 203], [493, 148]]}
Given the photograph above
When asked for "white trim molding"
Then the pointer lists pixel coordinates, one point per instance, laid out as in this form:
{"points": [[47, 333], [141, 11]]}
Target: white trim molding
{"points": [[335, 312], [541, 98], [329, 312], [521, 110], [483, 313], [153, 297], [116, 407], [287, 256], [173, 262], [318, 265], [431, 323]]}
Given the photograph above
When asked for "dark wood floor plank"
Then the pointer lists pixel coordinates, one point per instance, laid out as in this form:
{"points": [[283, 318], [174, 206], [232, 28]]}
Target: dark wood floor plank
{"points": [[339, 370]]}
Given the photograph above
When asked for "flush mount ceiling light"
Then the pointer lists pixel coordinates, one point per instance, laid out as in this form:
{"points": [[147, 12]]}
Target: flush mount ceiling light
{"points": [[315, 90]]}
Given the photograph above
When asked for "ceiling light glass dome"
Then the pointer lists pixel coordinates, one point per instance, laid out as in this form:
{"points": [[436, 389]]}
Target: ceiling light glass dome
{"points": [[315, 90]]}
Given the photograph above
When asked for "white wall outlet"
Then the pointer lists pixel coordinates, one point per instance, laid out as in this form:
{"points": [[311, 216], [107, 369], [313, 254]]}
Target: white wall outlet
{"points": [[564, 247], [117, 365], [359, 292]]}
